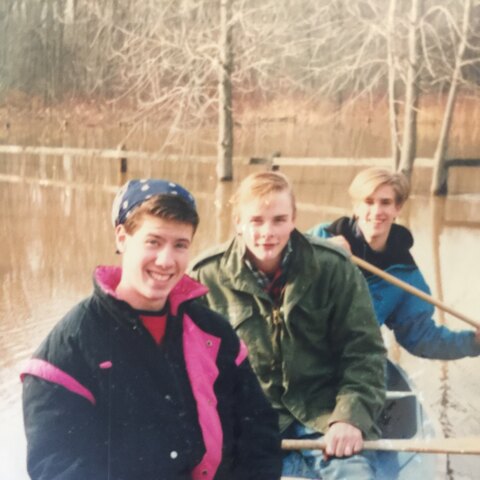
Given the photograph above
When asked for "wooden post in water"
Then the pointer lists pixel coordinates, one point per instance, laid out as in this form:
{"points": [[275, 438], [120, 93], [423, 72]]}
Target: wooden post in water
{"points": [[123, 161], [123, 165]]}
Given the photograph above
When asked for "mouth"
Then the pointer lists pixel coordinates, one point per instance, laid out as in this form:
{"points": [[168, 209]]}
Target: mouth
{"points": [[267, 245], [160, 277]]}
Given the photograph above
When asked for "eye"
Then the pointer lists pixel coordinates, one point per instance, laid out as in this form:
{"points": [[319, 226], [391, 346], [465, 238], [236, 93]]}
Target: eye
{"points": [[182, 246]]}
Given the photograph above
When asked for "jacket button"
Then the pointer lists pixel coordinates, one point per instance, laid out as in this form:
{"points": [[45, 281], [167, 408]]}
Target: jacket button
{"points": [[173, 454], [209, 343], [204, 472]]}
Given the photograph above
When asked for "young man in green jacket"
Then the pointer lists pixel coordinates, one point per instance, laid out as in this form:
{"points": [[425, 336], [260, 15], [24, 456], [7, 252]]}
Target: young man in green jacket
{"points": [[304, 311]]}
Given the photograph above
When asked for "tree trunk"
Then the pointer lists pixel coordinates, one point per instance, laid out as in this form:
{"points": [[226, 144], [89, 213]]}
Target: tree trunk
{"points": [[439, 177], [225, 121], [392, 96], [409, 141]]}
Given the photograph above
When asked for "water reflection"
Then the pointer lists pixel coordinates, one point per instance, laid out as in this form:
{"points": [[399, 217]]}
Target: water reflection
{"points": [[55, 228]]}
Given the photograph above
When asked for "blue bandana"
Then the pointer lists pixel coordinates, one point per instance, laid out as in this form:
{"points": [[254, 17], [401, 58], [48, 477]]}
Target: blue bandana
{"points": [[135, 192]]}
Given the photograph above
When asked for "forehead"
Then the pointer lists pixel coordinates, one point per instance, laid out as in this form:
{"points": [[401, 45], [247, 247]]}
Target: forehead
{"points": [[273, 204], [383, 192], [151, 225]]}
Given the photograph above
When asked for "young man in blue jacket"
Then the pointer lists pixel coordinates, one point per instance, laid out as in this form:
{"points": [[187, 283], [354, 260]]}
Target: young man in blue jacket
{"points": [[140, 381], [378, 196]]}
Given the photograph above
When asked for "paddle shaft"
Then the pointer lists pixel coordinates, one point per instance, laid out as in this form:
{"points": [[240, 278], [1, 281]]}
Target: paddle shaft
{"points": [[460, 446], [411, 289]]}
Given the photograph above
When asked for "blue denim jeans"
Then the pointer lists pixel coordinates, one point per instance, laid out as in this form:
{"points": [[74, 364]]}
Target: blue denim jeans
{"points": [[311, 464]]}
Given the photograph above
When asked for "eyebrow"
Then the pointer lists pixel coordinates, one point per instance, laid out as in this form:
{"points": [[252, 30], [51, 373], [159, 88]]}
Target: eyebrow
{"points": [[175, 239], [381, 199], [183, 239]]}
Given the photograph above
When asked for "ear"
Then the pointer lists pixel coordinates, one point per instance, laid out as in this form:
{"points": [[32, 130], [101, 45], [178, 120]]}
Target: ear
{"points": [[120, 237], [355, 209], [237, 225], [399, 208]]}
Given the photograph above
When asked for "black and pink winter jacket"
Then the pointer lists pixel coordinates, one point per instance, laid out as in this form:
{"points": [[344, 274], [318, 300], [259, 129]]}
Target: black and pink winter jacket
{"points": [[102, 400]]}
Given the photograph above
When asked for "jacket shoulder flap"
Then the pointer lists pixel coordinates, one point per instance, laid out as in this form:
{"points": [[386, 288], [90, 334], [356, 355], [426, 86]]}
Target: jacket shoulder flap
{"points": [[208, 255]]}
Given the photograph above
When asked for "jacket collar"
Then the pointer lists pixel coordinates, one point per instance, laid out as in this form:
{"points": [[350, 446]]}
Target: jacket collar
{"points": [[397, 252], [107, 279], [302, 272], [235, 274]]}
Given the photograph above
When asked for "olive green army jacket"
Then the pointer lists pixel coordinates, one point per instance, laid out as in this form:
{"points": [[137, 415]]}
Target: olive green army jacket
{"points": [[319, 357]]}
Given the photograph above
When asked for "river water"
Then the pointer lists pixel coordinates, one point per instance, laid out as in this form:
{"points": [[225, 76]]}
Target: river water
{"points": [[55, 228]]}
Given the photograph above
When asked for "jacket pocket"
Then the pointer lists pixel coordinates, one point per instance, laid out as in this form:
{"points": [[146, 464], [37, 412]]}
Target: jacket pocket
{"points": [[314, 323]]}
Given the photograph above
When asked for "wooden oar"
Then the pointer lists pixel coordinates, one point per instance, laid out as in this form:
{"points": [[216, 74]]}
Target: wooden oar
{"points": [[460, 446], [411, 289]]}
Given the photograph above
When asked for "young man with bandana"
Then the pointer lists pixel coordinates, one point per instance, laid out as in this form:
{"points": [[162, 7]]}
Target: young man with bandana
{"points": [[140, 381], [304, 311]]}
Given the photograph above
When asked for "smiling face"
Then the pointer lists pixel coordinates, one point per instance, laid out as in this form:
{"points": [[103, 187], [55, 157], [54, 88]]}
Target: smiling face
{"points": [[376, 214], [154, 258], [266, 223]]}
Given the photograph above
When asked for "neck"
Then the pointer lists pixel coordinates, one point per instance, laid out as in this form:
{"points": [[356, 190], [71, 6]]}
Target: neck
{"points": [[138, 301], [377, 243], [268, 267]]}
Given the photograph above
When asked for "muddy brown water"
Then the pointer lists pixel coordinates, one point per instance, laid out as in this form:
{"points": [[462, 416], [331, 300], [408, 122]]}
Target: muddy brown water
{"points": [[55, 228]]}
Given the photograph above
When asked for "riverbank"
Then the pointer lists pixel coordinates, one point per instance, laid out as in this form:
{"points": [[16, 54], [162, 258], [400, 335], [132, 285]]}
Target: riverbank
{"points": [[292, 126]]}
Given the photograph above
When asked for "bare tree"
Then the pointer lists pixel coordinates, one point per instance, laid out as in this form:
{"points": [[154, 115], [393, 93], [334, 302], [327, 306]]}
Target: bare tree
{"points": [[439, 173], [225, 121], [409, 140], [393, 110]]}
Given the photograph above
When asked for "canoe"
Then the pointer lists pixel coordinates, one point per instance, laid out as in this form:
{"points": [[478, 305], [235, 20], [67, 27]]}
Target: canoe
{"points": [[404, 417]]}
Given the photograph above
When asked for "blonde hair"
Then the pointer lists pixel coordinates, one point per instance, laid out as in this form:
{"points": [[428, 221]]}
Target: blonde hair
{"points": [[367, 181], [260, 185]]}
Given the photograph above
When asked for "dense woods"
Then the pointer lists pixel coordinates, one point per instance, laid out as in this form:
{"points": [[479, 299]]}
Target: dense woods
{"points": [[174, 59]]}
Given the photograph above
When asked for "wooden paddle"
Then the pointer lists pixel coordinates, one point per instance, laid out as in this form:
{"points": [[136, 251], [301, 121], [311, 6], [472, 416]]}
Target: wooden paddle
{"points": [[413, 290], [460, 445]]}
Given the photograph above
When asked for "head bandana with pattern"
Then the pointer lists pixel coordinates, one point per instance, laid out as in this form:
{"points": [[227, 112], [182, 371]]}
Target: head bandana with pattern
{"points": [[135, 192]]}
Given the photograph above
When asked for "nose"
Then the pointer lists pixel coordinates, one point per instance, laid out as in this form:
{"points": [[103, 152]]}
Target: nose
{"points": [[376, 208], [165, 257], [266, 229]]}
